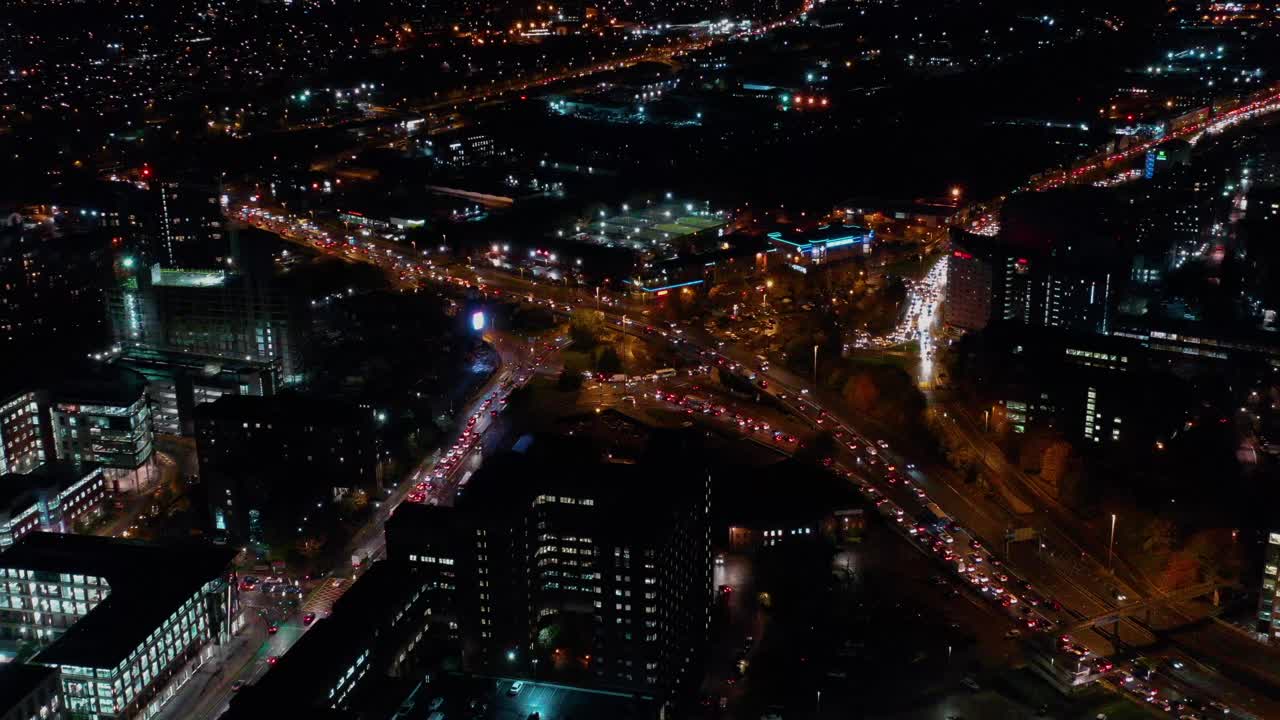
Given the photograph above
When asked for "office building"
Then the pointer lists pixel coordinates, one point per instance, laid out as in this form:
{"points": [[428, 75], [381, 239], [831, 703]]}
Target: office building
{"points": [[51, 498], [1103, 391], [268, 460], [552, 543], [1269, 598], [101, 414], [800, 250], [463, 148], [23, 432], [92, 608], [240, 312], [30, 692], [177, 382]]}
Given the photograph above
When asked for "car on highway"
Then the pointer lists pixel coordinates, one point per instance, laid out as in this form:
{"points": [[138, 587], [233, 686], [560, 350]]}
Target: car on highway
{"points": [[308, 618]]}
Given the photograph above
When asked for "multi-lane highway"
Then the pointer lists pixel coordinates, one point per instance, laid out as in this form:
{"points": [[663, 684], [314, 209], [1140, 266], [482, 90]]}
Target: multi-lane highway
{"points": [[1261, 103], [1057, 567]]}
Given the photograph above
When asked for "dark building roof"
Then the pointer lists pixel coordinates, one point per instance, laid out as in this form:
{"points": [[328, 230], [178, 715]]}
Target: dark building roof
{"points": [[262, 706], [291, 405], [52, 477], [307, 672], [750, 496], [549, 700], [148, 582], [141, 358], [627, 494], [1080, 223], [379, 589], [98, 384], [18, 680], [324, 653]]}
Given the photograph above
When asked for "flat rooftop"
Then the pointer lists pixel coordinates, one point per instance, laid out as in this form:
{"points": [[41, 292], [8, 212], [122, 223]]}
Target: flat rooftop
{"points": [[18, 680], [141, 357], [166, 277], [550, 701], [98, 384], [826, 235], [148, 582], [553, 702]]}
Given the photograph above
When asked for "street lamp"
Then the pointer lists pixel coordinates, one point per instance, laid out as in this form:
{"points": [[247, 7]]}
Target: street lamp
{"points": [[1111, 546], [815, 367]]}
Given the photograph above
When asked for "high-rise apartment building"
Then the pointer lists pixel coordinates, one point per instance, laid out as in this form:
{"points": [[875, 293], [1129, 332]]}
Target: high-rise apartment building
{"points": [[1054, 264], [23, 432], [237, 312], [609, 561], [190, 228], [968, 289]]}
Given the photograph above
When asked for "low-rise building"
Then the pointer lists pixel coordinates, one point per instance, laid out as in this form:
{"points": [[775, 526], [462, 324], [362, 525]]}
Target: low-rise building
{"points": [[51, 498], [126, 623], [801, 250], [102, 415]]}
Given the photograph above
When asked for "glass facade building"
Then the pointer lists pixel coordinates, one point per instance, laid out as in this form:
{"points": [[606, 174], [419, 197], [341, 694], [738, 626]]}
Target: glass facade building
{"points": [[118, 436], [92, 608], [51, 498], [1269, 598]]}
